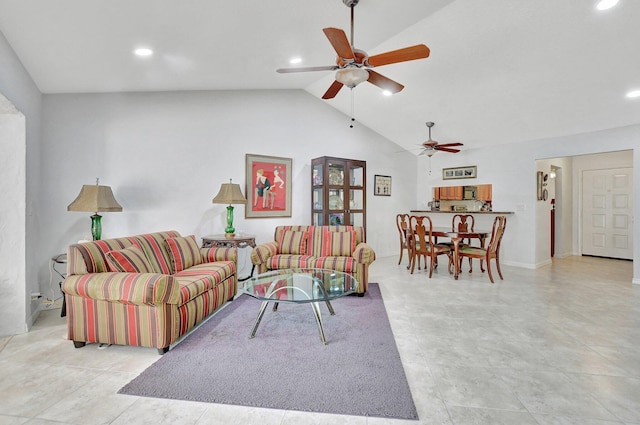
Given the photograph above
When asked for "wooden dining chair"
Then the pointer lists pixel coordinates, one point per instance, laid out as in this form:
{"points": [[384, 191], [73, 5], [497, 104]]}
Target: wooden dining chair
{"points": [[464, 223], [423, 246], [492, 251], [402, 222]]}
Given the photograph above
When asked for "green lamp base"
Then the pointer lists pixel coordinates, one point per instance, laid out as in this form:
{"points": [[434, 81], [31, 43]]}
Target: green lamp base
{"points": [[230, 230], [96, 227]]}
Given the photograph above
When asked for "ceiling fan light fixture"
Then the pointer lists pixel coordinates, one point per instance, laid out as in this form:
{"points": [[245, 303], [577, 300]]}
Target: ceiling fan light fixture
{"points": [[351, 77]]}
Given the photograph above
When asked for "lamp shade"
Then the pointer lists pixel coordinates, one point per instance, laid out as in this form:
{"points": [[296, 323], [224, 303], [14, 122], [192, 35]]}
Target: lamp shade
{"points": [[95, 198], [229, 193]]}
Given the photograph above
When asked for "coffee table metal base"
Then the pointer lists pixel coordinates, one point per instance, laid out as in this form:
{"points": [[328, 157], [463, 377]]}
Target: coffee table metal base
{"points": [[315, 306]]}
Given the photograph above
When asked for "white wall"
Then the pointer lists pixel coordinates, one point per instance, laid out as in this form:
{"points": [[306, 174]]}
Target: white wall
{"points": [[166, 154]]}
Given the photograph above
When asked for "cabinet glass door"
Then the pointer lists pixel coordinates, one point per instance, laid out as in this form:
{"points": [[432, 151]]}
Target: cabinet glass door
{"points": [[356, 173], [336, 174], [317, 175], [336, 199], [317, 199]]}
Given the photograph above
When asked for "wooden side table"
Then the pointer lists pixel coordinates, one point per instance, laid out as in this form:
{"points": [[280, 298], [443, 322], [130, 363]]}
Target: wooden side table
{"points": [[238, 241]]}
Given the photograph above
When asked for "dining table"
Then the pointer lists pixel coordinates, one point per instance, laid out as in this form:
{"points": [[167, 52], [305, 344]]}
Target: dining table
{"points": [[456, 237]]}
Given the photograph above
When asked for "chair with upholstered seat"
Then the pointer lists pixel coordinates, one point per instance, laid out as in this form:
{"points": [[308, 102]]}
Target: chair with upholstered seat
{"points": [[464, 223], [402, 223], [423, 245], [492, 251]]}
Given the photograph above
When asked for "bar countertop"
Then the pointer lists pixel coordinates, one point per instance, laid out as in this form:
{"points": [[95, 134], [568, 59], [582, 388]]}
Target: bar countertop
{"points": [[461, 212]]}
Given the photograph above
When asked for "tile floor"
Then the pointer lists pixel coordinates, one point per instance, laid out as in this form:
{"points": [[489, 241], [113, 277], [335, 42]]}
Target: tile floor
{"points": [[555, 346]]}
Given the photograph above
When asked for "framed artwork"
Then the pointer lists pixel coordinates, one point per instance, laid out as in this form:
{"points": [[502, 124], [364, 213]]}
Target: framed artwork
{"points": [[382, 185], [470, 172], [268, 190]]}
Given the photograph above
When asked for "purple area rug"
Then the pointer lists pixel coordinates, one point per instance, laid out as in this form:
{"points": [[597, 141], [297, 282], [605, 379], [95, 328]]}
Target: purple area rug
{"points": [[286, 366]]}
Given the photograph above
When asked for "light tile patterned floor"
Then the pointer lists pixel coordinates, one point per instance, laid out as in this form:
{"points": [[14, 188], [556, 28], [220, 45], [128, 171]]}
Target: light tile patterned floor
{"points": [[555, 346]]}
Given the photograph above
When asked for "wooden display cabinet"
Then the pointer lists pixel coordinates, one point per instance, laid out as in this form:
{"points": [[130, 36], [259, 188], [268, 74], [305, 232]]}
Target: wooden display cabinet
{"points": [[338, 191]]}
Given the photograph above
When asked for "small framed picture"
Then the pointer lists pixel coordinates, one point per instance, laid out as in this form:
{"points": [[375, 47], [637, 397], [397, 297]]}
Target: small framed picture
{"points": [[382, 185], [469, 172]]}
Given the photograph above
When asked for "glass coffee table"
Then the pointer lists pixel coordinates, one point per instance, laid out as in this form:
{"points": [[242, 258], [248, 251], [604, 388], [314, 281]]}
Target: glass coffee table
{"points": [[310, 286]]}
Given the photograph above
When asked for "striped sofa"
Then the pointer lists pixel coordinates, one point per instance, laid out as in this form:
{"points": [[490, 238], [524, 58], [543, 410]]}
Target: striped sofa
{"points": [[145, 290], [340, 248]]}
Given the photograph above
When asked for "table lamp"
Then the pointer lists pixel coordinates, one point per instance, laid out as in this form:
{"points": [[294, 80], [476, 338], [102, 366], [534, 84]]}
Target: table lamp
{"points": [[95, 198], [229, 193]]}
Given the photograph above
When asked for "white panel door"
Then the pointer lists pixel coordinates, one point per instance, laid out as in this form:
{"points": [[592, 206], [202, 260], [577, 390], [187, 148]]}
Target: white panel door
{"points": [[607, 228]]}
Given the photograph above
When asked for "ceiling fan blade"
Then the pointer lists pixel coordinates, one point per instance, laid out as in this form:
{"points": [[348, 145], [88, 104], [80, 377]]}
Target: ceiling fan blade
{"points": [[419, 51], [446, 149], [430, 143], [333, 90], [340, 43], [383, 82], [307, 69], [450, 144]]}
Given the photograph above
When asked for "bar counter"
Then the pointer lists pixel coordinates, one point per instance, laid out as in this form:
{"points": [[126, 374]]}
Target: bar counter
{"points": [[460, 212]]}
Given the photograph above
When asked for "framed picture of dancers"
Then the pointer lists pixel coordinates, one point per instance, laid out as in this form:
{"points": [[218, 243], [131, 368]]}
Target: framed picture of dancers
{"points": [[268, 188]]}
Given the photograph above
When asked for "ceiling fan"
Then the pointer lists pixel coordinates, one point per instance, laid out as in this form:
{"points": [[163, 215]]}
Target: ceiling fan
{"points": [[431, 146], [353, 66]]}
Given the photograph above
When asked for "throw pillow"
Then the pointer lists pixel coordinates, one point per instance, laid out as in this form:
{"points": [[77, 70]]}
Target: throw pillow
{"points": [[293, 242], [184, 252], [129, 260], [338, 244]]}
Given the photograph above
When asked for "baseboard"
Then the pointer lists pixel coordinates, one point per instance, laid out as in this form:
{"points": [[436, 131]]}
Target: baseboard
{"points": [[521, 265]]}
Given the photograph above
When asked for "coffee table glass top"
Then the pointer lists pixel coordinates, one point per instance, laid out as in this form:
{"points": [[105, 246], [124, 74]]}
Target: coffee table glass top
{"points": [[300, 285]]}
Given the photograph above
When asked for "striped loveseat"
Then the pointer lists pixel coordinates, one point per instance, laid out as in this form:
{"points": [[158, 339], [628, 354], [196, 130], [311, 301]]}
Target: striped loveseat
{"points": [[145, 290], [340, 248]]}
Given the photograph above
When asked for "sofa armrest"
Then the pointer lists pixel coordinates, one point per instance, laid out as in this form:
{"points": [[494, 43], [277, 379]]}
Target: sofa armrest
{"points": [[126, 288], [210, 255], [263, 252], [364, 254]]}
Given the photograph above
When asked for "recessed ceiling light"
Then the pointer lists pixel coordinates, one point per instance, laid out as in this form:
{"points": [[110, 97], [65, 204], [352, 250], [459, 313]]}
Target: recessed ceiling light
{"points": [[633, 94], [606, 4], [294, 61], [143, 51]]}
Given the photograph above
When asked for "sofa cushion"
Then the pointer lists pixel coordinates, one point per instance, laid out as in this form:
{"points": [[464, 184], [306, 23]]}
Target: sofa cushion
{"points": [[338, 243], [153, 245], [341, 264], [203, 277], [293, 242], [290, 261], [281, 229], [184, 252], [131, 259], [89, 257]]}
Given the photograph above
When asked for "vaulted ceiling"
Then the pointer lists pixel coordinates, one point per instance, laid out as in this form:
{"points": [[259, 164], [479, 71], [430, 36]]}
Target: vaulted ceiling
{"points": [[500, 71]]}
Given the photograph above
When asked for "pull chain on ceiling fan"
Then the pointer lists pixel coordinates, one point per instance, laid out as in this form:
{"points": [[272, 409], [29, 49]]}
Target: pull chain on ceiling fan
{"points": [[353, 66]]}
